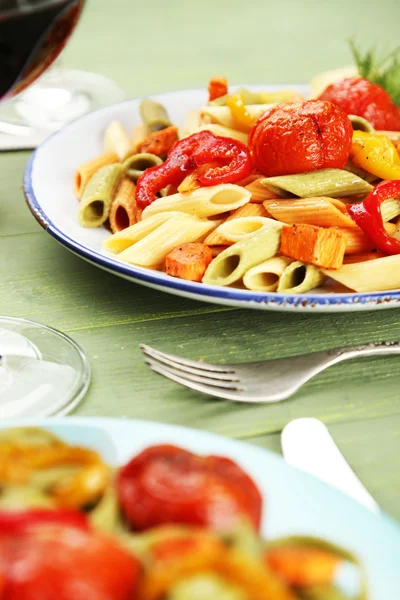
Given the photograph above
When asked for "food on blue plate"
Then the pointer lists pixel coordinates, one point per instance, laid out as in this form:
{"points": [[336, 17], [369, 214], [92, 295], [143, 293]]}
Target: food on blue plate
{"points": [[317, 165], [168, 525]]}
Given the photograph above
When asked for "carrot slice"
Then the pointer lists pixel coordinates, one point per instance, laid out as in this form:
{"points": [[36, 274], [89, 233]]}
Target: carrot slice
{"points": [[189, 261], [217, 87], [316, 245]]}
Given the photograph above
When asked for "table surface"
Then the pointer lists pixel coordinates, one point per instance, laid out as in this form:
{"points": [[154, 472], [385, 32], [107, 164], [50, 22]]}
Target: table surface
{"points": [[173, 45]]}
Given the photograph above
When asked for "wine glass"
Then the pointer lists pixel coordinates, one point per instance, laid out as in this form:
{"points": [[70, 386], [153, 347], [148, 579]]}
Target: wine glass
{"points": [[42, 372], [58, 95]]}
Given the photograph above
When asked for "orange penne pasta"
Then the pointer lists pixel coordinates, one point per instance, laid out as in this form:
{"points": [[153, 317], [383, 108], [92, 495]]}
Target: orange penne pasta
{"points": [[85, 171], [123, 209], [356, 241], [320, 211], [259, 193], [248, 210]]}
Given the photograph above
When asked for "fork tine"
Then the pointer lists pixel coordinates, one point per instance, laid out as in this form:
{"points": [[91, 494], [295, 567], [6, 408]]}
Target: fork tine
{"points": [[202, 378], [178, 361], [204, 389], [216, 376]]}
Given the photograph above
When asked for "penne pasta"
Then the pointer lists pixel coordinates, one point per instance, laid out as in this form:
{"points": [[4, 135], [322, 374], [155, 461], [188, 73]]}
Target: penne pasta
{"points": [[247, 210], [265, 276], [250, 97], [123, 209], [230, 266], [222, 114], [151, 250], [356, 258], [324, 182], [85, 171], [361, 124], [356, 241], [154, 115], [136, 164], [313, 211], [191, 123], [299, 277], [98, 195], [139, 133], [390, 209], [369, 276], [117, 140], [204, 202], [394, 136], [237, 229], [259, 192], [124, 239], [223, 131]]}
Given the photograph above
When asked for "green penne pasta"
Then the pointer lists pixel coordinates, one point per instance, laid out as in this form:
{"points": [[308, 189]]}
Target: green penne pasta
{"points": [[122, 240], [360, 172], [265, 277], [324, 182], [390, 209], [154, 115], [299, 277], [99, 192], [136, 164], [361, 124], [235, 261]]}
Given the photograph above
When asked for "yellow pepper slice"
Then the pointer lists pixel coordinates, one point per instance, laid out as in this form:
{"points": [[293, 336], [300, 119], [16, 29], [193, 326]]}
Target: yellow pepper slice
{"points": [[243, 119], [376, 154]]}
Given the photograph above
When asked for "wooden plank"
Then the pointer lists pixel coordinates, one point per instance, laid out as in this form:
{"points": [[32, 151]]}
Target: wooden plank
{"points": [[371, 448]]}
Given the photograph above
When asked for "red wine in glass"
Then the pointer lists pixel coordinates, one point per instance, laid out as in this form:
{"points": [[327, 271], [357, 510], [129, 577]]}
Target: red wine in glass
{"points": [[32, 34]]}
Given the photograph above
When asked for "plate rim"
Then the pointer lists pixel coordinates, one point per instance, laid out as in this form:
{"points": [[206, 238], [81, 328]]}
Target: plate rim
{"points": [[324, 302]]}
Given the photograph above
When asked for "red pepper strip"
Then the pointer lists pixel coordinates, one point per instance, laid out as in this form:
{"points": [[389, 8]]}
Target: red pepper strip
{"points": [[17, 521], [231, 156], [368, 216]]}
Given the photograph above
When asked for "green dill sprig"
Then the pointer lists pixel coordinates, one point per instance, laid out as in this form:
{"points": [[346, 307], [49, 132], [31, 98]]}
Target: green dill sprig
{"points": [[385, 71]]}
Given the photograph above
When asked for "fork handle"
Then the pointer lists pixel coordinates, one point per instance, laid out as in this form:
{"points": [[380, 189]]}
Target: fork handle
{"points": [[369, 349]]}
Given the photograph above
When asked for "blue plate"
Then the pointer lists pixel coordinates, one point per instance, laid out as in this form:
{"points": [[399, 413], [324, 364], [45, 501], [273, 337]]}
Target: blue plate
{"points": [[294, 503], [48, 183]]}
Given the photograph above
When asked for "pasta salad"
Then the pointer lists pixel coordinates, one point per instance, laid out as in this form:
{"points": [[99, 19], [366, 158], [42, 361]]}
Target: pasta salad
{"points": [[265, 191], [168, 525]]}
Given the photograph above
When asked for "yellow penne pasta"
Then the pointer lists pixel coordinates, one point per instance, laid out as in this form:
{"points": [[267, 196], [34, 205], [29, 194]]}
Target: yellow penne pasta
{"points": [[85, 171], [123, 209], [139, 133], [117, 140], [259, 193], [203, 202], [124, 239], [151, 250], [369, 276], [357, 242], [247, 210], [235, 230], [222, 114], [265, 277], [318, 211], [223, 131]]}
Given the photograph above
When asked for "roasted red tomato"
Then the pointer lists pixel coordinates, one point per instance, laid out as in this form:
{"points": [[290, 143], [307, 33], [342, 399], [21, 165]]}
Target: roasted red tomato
{"points": [[300, 136], [166, 484], [45, 560], [358, 96]]}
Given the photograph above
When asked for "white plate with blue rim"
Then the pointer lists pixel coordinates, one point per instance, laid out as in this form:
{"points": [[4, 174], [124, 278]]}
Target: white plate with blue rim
{"points": [[48, 187], [294, 502]]}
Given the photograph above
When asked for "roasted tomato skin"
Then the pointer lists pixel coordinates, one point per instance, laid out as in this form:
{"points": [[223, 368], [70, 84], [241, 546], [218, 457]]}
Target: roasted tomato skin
{"points": [[358, 96], [68, 563], [166, 484], [298, 137]]}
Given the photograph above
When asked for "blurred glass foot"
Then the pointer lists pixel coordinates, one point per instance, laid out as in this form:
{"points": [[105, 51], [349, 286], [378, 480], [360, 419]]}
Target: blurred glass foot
{"points": [[61, 95]]}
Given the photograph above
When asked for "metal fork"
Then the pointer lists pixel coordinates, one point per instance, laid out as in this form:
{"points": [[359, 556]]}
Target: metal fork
{"points": [[261, 381]]}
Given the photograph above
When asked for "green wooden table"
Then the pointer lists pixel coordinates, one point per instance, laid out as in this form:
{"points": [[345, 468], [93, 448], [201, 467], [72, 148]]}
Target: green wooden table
{"points": [[165, 46]]}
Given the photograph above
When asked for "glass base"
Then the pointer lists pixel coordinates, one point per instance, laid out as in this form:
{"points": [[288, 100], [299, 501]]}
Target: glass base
{"points": [[43, 372], [58, 97]]}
